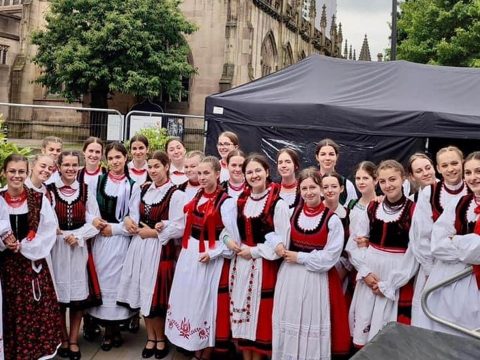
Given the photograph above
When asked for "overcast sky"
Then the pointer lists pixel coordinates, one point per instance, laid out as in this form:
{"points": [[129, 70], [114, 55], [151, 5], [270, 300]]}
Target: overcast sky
{"points": [[360, 17]]}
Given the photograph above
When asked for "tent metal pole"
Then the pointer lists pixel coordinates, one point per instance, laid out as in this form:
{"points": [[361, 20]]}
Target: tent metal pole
{"points": [[393, 50]]}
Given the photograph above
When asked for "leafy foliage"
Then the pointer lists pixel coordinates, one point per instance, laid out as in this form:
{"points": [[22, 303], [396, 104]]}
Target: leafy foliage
{"points": [[157, 137], [130, 46], [440, 32], [7, 148]]}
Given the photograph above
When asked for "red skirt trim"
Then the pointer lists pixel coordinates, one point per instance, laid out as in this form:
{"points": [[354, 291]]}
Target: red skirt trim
{"points": [[340, 331], [223, 333]]}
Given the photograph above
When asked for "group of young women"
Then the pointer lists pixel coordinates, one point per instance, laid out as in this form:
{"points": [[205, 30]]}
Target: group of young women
{"points": [[219, 259]]}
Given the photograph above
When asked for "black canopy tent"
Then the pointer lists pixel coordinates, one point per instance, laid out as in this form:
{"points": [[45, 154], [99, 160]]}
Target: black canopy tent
{"points": [[373, 110]]}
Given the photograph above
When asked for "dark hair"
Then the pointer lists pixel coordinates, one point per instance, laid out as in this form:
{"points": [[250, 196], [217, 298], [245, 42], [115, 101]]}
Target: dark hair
{"points": [[173, 139], [391, 164], [231, 136], [68, 153], [51, 139], [236, 152], [369, 167], [213, 161], [14, 158], [116, 145], [161, 156], [293, 155], [92, 140], [416, 156], [327, 142], [310, 173], [336, 176], [472, 156], [138, 137], [262, 160]]}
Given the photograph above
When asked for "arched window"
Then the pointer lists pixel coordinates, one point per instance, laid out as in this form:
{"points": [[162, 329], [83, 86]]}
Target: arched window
{"points": [[269, 54], [288, 57]]}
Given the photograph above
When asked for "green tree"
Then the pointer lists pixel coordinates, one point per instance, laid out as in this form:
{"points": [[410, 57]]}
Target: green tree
{"points": [[440, 32], [97, 47]]}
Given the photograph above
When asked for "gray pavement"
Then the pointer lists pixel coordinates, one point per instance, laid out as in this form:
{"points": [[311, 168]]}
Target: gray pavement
{"points": [[130, 350]]}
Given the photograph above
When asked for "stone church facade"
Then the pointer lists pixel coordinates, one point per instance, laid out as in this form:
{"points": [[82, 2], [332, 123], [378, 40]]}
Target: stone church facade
{"points": [[237, 41]]}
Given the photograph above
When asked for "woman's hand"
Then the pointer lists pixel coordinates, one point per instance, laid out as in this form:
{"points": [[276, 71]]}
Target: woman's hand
{"points": [[107, 230], [204, 258], [372, 281], [146, 232], [130, 225], [280, 250], [12, 243], [71, 240], [232, 245], [245, 252], [99, 223], [362, 241], [159, 226], [290, 256]]}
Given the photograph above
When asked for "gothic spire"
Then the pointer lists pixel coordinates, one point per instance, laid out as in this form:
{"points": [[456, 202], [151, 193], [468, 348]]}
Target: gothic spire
{"points": [[323, 19], [345, 50], [365, 51], [340, 35], [350, 57]]}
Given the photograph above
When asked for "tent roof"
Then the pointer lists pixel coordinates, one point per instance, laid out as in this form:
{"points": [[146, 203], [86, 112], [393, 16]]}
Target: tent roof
{"points": [[371, 97]]}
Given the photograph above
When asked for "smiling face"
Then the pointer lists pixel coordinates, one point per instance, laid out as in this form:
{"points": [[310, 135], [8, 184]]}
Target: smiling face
{"points": [[472, 175], [256, 176], [450, 167], [69, 169], [207, 177], [235, 169], [327, 159], [93, 155], [391, 181], [42, 169], [53, 149], [190, 167], [176, 151], [364, 182], [423, 172], [116, 162], [157, 171], [16, 173], [310, 192], [331, 189], [285, 165], [224, 146], [138, 151]]}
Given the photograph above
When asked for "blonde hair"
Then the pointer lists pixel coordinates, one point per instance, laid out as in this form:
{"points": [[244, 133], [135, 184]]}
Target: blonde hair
{"points": [[391, 164], [449, 148]]}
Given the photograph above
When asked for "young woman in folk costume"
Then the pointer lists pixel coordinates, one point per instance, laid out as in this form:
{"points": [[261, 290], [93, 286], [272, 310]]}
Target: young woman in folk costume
{"points": [[198, 313], [264, 225], [326, 154], [52, 146], [74, 271], [155, 219], [227, 141], [92, 152], [175, 150], [455, 244], [332, 189], [5, 243], [137, 168], [114, 192], [385, 262], [288, 165], [421, 173], [31, 314], [235, 185], [431, 202], [191, 186], [42, 167], [310, 315]]}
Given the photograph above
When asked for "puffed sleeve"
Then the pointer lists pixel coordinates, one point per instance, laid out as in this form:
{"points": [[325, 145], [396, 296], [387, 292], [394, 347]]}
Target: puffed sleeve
{"points": [[175, 225], [324, 260], [281, 233], [4, 222], [87, 231], [399, 276], [351, 192], [421, 230], [42, 243], [361, 228], [134, 208], [448, 246], [228, 212], [118, 229]]}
